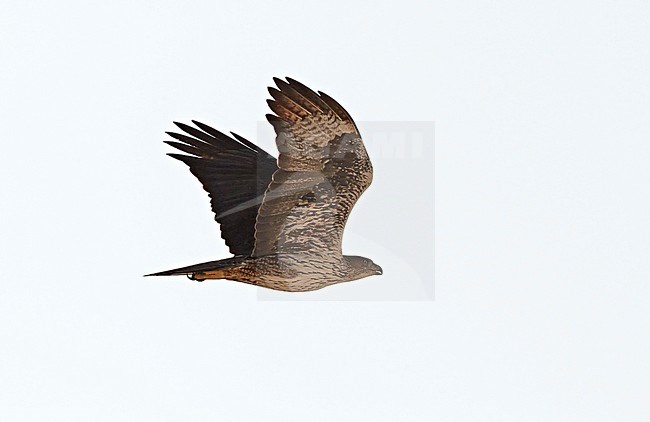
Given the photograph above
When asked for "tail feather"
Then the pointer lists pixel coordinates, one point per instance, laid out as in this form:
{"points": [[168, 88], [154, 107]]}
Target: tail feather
{"points": [[203, 267]]}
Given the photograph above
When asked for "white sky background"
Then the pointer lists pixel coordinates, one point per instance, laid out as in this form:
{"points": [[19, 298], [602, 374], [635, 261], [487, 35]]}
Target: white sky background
{"points": [[542, 115]]}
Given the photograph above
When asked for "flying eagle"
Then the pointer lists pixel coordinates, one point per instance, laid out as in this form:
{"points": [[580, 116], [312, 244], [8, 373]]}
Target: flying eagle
{"points": [[282, 219]]}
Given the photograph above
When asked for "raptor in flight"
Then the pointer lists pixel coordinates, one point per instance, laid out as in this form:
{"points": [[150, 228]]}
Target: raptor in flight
{"points": [[282, 219]]}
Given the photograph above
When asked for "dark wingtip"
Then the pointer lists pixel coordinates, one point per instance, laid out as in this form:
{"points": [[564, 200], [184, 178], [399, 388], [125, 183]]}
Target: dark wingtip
{"points": [[245, 141], [185, 128], [275, 120], [179, 157], [206, 128]]}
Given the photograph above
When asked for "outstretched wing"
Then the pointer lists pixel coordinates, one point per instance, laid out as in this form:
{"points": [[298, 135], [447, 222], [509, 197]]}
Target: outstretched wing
{"points": [[234, 172], [323, 170]]}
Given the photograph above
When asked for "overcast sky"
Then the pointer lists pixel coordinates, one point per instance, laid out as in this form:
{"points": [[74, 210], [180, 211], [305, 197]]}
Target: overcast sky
{"points": [[542, 127]]}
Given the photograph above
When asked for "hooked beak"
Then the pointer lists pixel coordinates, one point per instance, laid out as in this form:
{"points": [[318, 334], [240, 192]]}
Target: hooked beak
{"points": [[378, 270]]}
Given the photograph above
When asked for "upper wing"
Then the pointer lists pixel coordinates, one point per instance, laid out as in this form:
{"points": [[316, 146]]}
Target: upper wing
{"points": [[323, 170], [234, 171]]}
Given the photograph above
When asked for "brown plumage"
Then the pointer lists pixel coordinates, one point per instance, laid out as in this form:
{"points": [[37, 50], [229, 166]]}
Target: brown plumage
{"points": [[283, 220]]}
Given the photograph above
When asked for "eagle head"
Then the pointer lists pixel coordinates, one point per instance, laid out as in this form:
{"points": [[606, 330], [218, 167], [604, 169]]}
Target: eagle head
{"points": [[360, 267]]}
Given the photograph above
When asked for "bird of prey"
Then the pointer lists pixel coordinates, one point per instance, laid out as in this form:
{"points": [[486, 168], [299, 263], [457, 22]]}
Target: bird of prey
{"points": [[282, 219]]}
